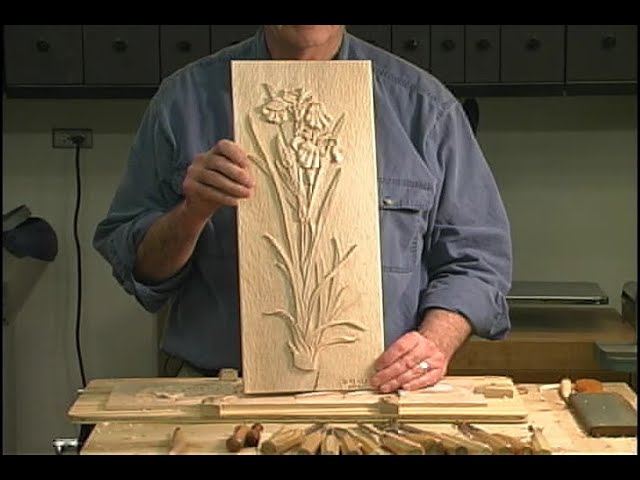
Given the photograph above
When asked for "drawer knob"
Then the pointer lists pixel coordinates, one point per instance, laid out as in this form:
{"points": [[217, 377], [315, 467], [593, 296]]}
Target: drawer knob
{"points": [[184, 46], [609, 42], [533, 44], [483, 44], [42, 46], [411, 44], [119, 45], [448, 45]]}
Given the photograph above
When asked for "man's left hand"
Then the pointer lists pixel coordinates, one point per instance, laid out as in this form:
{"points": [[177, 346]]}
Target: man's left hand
{"points": [[411, 362]]}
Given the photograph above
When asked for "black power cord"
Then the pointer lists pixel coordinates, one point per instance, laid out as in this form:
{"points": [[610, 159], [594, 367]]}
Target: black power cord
{"points": [[77, 141]]}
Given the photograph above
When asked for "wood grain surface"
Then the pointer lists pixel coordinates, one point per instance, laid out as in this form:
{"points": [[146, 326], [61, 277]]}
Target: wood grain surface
{"points": [[308, 240]]}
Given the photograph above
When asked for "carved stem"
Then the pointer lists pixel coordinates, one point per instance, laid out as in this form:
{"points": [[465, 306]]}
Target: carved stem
{"points": [[321, 219], [294, 281], [331, 274]]}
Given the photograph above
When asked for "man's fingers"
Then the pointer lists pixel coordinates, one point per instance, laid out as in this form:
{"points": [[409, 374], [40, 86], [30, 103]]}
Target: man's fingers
{"points": [[232, 151], [405, 363], [209, 194], [405, 377], [430, 377], [399, 348], [212, 178], [232, 171]]}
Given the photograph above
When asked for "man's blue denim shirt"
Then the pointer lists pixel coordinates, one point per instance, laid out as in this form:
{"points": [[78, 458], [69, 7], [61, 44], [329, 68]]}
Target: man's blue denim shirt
{"points": [[445, 234]]}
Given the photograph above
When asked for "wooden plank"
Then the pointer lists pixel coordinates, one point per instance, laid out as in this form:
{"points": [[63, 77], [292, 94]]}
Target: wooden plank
{"points": [[308, 241], [169, 394], [545, 408], [452, 398]]}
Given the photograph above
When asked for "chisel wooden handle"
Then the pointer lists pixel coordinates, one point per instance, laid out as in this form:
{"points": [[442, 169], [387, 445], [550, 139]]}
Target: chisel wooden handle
{"points": [[455, 445], [367, 443], [431, 444], [280, 442], [179, 443], [399, 445], [311, 444], [451, 446], [393, 442], [566, 388], [330, 445], [253, 437], [498, 445], [236, 441], [348, 444], [539, 442], [519, 447]]}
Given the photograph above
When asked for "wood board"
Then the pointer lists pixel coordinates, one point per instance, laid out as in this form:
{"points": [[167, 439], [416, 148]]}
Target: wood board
{"points": [[168, 394], [457, 402], [545, 408], [95, 404], [309, 239]]}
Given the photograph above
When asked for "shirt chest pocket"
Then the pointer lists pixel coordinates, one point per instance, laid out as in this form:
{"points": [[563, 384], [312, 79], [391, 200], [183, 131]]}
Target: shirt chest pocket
{"points": [[404, 206]]}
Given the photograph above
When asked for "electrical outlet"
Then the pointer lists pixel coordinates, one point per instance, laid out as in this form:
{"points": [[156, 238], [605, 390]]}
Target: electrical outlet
{"points": [[63, 137]]}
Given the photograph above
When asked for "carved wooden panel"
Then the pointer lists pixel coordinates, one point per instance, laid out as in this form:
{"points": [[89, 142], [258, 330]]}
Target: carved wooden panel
{"points": [[309, 244]]}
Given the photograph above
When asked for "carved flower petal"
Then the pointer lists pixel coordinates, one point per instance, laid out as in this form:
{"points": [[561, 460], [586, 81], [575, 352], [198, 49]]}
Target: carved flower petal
{"points": [[290, 97], [276, 104], [336, 155], [296, 142], [316, 118]]}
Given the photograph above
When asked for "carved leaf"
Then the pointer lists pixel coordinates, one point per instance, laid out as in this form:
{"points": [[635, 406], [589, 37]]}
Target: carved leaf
{"points": [[348, 323], [337, 127], [286, 158], [338, 340], [282, 314]]}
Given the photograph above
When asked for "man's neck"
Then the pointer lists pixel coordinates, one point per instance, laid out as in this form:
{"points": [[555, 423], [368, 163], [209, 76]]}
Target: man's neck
{"points": [[280, 51]]}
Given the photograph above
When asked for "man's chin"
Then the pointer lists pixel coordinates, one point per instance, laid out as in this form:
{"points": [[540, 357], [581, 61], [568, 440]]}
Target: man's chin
{"points": [[311, 35]]}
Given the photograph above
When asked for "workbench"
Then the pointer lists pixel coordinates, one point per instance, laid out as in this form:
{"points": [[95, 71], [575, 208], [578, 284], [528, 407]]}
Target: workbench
{"points": [[547, 343], [545, 408]]}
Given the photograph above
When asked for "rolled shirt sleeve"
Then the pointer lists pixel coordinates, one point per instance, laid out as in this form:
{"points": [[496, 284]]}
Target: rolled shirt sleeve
{"points": [[143, 196], [469, 260]]}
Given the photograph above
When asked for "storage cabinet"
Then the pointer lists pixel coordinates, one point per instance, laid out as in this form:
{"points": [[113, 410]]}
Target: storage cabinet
{"points": [[447, 53], [602, 53], [43, 54], [482, 53], [532, 53], [119, 61], [182, 44], [121, 54], [412, 42]]}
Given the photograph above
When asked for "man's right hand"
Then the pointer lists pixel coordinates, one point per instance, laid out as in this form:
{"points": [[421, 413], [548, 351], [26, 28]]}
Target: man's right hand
{"points": [[221, 176]]}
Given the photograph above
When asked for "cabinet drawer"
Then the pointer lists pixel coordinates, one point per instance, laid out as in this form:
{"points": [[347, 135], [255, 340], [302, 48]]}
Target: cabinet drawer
{"points": [[43, 54], [532, 53], [602, 52], [482, 53], [411, 42], [225, 35], [447, 53], [121, 54], [378, 35], [182, 44]]}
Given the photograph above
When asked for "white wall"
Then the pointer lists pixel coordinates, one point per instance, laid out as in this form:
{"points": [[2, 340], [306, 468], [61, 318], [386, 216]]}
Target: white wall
{"points": [[118, 337], [566, 168]]}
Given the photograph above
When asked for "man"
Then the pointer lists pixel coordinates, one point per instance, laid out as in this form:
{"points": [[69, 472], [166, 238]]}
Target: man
{"points": [[170, 234]]}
